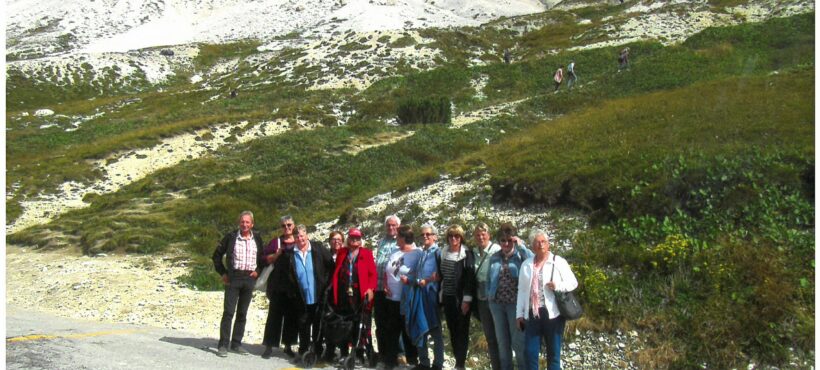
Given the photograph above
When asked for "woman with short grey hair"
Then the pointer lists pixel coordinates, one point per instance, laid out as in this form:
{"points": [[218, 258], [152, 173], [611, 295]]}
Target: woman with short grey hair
{"points": [[536, 309]]}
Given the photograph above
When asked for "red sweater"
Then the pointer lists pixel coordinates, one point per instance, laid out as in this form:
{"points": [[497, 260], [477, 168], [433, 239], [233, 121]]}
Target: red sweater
{"points": [[365, 266]]}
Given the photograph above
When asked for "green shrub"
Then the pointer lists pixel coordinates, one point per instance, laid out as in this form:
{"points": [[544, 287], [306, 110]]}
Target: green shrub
{"points": [[435, 109]]}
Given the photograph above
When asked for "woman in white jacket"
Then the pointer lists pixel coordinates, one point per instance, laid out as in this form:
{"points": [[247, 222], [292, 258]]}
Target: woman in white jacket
{"points": [[536, 310]]}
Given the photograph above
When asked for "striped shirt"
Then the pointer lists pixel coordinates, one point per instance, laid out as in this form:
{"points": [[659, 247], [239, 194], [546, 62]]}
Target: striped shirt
{"points": [[244, 253], [385, 248], [448, 271]]}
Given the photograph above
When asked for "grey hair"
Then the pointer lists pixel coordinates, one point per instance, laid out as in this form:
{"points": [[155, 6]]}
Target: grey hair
{"points": [[393, 216], [432, 228], [302, 229], [245, 213], [285, 218], [535, 233]]}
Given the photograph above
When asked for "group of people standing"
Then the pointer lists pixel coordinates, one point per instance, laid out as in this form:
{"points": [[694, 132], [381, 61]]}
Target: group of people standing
{"points": [[507, 286]]}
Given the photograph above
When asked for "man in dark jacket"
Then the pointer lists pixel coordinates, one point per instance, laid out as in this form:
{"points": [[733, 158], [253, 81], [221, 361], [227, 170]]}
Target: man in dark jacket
{"points": [[243, 249], [308, 273]]}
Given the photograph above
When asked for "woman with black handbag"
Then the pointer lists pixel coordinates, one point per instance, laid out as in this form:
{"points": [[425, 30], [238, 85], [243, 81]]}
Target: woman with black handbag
{"points": [[537, 312]]}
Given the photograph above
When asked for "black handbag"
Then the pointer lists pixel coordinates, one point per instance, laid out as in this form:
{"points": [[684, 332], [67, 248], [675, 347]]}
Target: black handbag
{"points": [[568, 304]]}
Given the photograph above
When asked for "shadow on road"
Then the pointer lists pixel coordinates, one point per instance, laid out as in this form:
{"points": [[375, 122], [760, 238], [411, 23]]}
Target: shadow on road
{"points": [[209, 344]]}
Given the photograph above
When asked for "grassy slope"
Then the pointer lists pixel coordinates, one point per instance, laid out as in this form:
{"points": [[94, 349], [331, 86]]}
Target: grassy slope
{"points": [[687, 161]]}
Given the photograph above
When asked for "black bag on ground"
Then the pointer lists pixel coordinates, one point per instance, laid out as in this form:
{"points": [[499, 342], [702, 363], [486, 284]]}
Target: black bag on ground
{"points": [[339, 328]]}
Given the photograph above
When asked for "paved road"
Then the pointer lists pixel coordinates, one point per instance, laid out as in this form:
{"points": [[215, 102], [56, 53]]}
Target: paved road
{"points": [[41, 341]]}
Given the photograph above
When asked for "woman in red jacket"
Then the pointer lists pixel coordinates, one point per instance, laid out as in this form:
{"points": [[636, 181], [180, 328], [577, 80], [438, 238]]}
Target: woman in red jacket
{"points": [[353, 281]]}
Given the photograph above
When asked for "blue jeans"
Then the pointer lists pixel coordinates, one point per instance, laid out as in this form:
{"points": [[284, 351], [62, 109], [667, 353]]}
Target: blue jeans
{"points": [[508, 336], [552, 330], [438, 348]]}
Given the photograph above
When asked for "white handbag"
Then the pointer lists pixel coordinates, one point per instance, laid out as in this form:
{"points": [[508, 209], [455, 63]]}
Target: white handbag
{"points": [[262, 279]]}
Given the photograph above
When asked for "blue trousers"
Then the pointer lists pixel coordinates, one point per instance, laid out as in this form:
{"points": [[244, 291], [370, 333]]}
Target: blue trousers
{"points": [[552, 332], [438, 348], [510, 339]]}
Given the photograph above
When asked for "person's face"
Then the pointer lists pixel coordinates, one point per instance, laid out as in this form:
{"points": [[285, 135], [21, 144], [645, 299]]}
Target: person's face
{"points": [[482, 238], [287, 227], [507, 244], [391, 228], [301, 239], [428, 237], [245, 224], [354, 242], [540, 246], [454, 240], [335, 242]]}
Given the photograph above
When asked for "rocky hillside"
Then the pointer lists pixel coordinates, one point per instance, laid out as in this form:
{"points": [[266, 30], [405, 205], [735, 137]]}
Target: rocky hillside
{"points": [[142, 128]]}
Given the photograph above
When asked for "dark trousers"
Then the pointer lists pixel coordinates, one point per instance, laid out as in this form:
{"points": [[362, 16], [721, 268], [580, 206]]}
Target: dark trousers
{"points": [[238, 295], [459, 326], [488, 327], [290, 321], [393, 331], [273, 325], [382, 319], [309, 328]]}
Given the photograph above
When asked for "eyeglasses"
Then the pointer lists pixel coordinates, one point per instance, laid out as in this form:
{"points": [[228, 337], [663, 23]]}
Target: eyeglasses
{"points": [[502, 241], [354, 238], [287, 225], [427, 234]]}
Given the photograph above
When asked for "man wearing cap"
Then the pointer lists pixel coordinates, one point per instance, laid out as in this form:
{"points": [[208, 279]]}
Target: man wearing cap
{"points": [[243, 249]]}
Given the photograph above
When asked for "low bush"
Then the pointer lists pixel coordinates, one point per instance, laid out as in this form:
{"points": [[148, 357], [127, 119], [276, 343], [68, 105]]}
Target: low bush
{"points": [[435, 109]]}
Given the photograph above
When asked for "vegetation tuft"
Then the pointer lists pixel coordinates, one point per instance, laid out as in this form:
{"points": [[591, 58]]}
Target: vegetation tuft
{"points": [[434, 109]]}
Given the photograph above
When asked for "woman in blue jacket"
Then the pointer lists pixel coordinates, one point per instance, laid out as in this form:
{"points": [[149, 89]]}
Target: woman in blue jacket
{"points": [[502, 292]]}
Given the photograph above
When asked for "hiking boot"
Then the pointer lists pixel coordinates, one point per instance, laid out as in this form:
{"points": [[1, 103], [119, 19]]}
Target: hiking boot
{"points": [[222, 352], [239, 350], [288, 351], [268, 352], [402, 360]]}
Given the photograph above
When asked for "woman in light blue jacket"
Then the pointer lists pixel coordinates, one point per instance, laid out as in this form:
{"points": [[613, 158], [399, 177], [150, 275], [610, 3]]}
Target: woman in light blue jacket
{"points": [[536, 310], [502, 292]]}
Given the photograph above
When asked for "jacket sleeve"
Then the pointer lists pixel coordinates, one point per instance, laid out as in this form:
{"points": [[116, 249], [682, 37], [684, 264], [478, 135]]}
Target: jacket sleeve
{"points": [[567, 283], [370, 267], [220, 251], [469, 277], [523, 301], [261, 262]]}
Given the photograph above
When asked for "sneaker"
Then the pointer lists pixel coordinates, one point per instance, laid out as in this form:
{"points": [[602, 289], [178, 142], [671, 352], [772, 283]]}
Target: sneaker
{"points": [[402, 360], [239, 349], [222, 352], [268, 352]]}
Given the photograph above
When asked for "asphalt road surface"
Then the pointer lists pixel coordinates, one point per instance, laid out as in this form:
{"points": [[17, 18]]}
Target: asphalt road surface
{"points": [[37, 340]]}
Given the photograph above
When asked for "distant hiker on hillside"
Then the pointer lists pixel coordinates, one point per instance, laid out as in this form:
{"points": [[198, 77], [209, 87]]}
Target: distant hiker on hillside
{"points": [[243, 248], [558, 77], [507, 56], [623, 59], [571, 76]]}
